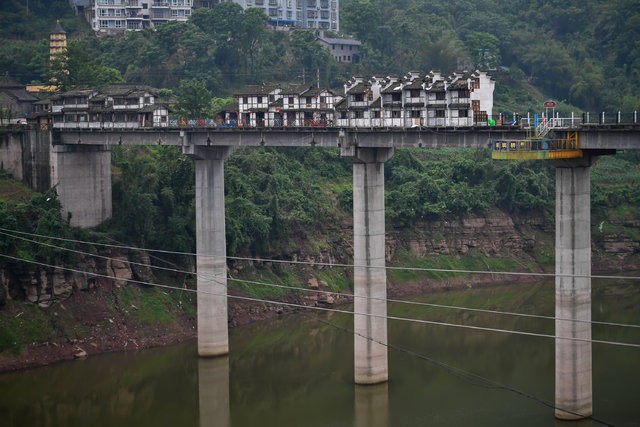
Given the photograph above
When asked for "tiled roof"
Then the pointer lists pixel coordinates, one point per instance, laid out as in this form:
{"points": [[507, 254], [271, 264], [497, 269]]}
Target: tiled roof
{"points": [[127, 90], [57, 29], [341, 105], [19, 95], [295, 89], [359, 88], [350, 42], [415, 84], [7, 82], [256, 90]]}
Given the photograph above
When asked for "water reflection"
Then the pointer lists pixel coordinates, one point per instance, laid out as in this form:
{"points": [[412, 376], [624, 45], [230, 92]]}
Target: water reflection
{"points": [[298, 371], [213, 392], [372, 405]]}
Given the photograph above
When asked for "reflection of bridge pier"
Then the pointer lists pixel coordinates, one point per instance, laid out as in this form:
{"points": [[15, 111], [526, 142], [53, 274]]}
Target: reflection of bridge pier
{"points": [[372, 405], [213, 392], [573, 289]]}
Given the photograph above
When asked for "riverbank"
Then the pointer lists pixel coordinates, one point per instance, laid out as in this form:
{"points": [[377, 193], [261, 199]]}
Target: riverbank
{"points": [[103, 319], [109, 318]]}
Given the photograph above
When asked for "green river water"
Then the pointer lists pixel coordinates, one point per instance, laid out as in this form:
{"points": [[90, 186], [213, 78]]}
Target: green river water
{"points": [[298, 371]]}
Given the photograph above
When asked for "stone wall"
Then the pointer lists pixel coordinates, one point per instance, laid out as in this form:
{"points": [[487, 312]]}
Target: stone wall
{"points": [[20, 281]]}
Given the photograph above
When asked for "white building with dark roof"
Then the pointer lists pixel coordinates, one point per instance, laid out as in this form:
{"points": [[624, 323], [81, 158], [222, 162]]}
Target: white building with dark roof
{"points": [[342, 50], [320, 14], [116, 106], [115, 16]]}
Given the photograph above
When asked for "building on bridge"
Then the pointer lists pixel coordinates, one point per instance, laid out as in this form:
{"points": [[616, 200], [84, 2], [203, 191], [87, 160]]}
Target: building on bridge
{"points": [[116, 106], [294, 105], [460, 99]]}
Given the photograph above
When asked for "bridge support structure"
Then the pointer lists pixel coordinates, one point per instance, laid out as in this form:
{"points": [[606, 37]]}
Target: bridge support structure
{"points": [[370, 276], [211, 256], [573, 361], [82, 177]]}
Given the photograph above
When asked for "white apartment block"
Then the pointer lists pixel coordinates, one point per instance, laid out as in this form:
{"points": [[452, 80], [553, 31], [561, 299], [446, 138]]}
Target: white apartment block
{"points": [[114, 16], [321, 14]]}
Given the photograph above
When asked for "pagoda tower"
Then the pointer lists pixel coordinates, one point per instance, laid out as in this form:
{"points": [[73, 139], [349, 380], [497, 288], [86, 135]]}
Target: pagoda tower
{"points": [[57, 42]]}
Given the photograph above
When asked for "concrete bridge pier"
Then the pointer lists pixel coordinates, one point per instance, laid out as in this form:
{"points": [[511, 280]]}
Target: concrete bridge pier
{"points": [[370, 276], [211, 251], [82, 176], [573, 367]]}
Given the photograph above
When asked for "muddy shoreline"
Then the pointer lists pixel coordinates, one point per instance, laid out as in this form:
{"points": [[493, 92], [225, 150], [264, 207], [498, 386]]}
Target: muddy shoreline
{"points": [[123, 332]]}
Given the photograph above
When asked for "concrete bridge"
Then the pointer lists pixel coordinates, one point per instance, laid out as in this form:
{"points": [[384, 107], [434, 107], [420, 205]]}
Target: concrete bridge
{"points": [[80, 167]]}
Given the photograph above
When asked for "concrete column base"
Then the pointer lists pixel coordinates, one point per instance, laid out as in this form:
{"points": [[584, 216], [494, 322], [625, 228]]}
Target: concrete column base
{"points": [[82, 177], [370, 276], [211, 256], [573, 291]]}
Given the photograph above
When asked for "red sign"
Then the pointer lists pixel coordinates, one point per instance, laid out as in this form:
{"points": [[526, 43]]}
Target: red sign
{"points": [[550, 104]]}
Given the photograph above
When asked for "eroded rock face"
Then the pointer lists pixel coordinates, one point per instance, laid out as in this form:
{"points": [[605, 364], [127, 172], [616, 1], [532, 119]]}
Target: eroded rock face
{"points": [[47, 285], [492, 235]]}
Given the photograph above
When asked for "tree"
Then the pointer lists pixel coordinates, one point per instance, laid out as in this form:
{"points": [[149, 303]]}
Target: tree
{"points": [[194, 99], [485, 50], [77, 68]]}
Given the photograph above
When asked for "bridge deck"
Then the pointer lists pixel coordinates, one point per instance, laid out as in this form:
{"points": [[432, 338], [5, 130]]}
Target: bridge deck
{"points": [[597, 138]]}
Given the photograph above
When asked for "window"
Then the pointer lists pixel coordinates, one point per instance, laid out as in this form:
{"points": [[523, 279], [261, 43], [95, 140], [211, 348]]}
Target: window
{"points": [[464, 93], [259, 100], [358, 114], [245, 100], [290, 100], [463, 113], [440, 113], [415, 114], [358, 97], [440, 96], [376, 114], [414, 93]]}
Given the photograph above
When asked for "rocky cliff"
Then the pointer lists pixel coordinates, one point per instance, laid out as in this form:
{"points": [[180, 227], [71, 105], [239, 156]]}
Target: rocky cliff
{"points": [[94, 305], [525, 239]]}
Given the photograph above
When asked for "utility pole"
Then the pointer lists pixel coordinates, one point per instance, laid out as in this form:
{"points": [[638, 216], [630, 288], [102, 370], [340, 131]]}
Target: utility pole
{"points": [[318, 76]]}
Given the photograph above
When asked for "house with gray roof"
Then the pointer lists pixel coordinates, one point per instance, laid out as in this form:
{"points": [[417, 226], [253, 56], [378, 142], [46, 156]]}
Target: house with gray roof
{"points": [[16, 103], [346, 51]]}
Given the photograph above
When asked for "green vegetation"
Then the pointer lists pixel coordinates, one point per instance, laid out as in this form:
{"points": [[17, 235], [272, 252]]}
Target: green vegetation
{"points": [[580, 53], [154, 305], [281, 202], [436, 266], [28, 325]]}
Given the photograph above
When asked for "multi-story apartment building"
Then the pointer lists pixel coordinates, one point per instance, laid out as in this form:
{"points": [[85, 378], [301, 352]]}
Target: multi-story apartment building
{"points": [[114, 16], [321, 14]]}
